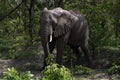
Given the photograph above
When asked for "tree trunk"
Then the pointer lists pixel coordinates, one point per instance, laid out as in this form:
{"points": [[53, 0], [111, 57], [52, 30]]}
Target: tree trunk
{"points": [[31, 15], [60, 3]]}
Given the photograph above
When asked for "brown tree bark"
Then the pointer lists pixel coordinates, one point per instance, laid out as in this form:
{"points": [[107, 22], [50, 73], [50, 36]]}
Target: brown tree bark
{"points": [[31, 15]]}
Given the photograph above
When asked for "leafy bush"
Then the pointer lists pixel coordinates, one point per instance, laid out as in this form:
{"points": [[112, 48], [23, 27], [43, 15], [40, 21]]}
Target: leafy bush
{"points": [[82, 70], [50, 59], [56, 72], [26, 75], [13, 74], [114, 69], [116, 61]]}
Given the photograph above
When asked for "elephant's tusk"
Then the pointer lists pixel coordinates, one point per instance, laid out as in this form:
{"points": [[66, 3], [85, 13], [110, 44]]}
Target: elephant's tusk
{"points": [[50, 38]]}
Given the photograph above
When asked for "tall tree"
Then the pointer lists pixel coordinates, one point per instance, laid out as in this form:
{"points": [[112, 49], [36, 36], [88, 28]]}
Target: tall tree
{"points": [[31, 16], [11, 11]]}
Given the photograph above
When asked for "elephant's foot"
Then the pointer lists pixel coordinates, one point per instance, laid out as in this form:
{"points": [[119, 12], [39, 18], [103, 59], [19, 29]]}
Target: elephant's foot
{"points": [[78, 62], [91, 64], [41, 69]]}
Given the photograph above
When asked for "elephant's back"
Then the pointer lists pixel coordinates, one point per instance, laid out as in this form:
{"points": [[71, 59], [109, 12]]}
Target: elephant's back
{"points": [[79, 32]]}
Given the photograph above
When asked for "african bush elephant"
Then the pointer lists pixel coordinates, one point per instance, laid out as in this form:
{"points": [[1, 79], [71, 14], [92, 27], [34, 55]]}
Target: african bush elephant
{"points": [[60, 27]]}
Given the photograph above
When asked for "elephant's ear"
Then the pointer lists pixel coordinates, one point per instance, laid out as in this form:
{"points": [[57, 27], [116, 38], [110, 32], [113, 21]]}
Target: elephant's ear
{"points": [[63, 22], [62, 27], [53, 18]]}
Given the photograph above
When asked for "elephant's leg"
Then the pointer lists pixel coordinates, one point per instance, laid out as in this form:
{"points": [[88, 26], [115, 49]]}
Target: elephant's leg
{"points": [[52, 45], [87, 54], [60, 49], [78, 55]]}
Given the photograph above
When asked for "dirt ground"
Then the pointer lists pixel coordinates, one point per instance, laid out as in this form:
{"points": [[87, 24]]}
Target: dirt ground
{"points": [[23, 65]]}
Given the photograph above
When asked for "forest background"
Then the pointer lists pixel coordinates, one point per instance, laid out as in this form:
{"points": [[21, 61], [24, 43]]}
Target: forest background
{"points": [[19, 27]]}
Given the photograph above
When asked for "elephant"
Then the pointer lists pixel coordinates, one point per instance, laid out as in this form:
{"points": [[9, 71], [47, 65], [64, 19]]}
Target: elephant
{"points": [[60, 27]]}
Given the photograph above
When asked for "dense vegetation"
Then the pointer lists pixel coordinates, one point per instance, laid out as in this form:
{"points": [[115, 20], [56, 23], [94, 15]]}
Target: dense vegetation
{"points": [[19, 27]]}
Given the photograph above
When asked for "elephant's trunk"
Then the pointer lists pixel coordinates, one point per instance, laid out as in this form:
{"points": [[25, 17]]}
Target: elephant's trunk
{"points": [[46, 37], [46, 34], [46, 51], [45, 45]]}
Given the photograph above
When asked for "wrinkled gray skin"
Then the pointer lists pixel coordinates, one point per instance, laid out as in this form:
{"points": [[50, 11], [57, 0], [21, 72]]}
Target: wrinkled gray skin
{"points": [[60, 27]]}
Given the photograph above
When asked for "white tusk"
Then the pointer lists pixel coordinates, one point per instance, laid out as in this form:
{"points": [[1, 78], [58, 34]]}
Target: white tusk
{"points": [[50, 38]]}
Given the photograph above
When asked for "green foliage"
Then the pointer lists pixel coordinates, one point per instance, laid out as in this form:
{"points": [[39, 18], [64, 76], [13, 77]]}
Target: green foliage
{"points": [[26, 75], [15, 42], [50, 59], [114, 69], [14, 30], [56, 72], [82, 70], [116, 61], [13, 74]]}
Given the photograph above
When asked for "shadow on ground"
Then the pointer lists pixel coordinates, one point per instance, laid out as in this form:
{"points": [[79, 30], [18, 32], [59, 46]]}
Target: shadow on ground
{"points": [[34, 66]]}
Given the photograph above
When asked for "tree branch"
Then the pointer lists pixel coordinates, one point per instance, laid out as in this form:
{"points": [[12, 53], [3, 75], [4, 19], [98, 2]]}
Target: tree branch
{"points": [[10, 12]]}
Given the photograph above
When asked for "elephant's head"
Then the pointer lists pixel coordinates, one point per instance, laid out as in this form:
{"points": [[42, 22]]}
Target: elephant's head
{"points": [[46, 22], [55, 22]]}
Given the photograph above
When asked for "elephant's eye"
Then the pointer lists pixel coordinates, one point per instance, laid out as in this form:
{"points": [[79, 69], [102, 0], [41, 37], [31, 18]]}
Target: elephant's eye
{"points": [[47, 21]]}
